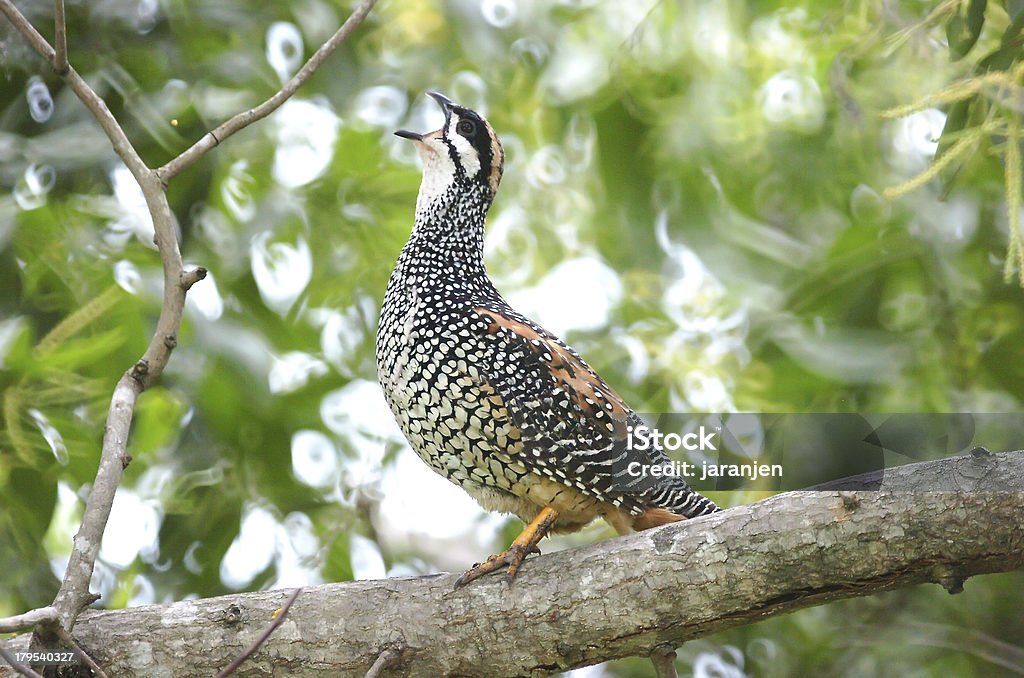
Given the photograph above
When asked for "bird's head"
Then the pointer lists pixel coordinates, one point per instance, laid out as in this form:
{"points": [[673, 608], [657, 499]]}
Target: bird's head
{"points": [[465, 152]]}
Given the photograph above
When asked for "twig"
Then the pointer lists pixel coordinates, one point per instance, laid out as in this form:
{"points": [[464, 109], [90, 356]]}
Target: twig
{"points": [[70, 642], [17, 666], [81, 88], [19, 21], [28, 620], [246, 118], [385, 660], [60, 40], [278, 620], [664, 659], [190, 278]]}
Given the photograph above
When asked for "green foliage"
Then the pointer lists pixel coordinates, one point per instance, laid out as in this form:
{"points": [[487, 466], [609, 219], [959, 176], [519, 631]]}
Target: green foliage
{"points": [[719, 168]]}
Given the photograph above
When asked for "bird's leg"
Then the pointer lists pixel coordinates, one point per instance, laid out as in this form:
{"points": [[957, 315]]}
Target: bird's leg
{"points": [[523, 545]]}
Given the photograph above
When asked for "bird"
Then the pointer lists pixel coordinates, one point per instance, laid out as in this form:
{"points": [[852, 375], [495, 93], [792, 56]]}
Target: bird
{"points": [[487, 397]]}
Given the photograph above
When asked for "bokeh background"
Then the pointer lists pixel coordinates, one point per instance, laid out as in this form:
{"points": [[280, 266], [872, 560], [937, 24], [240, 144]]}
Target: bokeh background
{"points": [[693, 198]]}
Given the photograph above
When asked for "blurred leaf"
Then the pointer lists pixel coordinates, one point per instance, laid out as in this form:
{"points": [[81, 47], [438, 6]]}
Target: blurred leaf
{"points": [[1009, 51], [158, 418], [969, 112], [957, 118], [76, 353], [964, 28], [27, 501], [338, 564]]}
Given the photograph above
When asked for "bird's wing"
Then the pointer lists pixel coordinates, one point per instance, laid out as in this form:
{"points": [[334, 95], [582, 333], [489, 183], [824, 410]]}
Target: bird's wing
{"points": [[573, 426]]}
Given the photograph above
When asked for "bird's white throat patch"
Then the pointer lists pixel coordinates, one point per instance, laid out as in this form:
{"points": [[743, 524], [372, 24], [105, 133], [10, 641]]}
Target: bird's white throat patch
{"points": [[438, 168], [438, 171]]}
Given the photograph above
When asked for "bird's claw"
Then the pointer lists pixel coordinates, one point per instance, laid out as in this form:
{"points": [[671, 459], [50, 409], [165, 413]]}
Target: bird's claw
{"points": [[510, 559]]}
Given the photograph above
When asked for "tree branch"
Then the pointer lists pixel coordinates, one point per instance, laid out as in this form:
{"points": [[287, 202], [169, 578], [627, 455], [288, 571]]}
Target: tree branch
{"points": [[385, 660], [664, 659], [71, 643], [27, 620], [60, 39], [278, 619], [96, 105], [18, 20], [246, 118], [16, 665], [74, 595], [190, 278], [620, 597]]}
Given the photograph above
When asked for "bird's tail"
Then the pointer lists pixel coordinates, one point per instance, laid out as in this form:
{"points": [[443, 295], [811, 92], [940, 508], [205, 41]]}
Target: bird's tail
{"points": [[692, 504], [686, 503]]}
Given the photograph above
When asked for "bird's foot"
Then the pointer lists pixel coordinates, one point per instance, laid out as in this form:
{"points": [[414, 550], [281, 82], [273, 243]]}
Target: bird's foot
{"points": [[512, 558]]}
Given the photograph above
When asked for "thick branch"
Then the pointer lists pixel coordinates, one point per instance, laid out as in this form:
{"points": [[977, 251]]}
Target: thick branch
{"points": [[621, 597], [246, 118]]}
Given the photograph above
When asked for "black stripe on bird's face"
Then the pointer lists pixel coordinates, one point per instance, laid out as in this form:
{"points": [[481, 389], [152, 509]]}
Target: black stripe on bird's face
{"points": [[474, 148]]}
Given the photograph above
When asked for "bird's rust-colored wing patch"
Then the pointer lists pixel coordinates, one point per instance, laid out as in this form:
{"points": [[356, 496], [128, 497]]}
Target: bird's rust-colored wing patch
{"points": [[586, 389]]}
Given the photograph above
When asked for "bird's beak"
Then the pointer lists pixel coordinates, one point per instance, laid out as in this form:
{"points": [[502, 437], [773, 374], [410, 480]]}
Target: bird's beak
{"points": [[444, 102], [446, 105]]}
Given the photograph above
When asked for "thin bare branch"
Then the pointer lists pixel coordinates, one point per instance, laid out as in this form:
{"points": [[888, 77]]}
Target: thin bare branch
{"points": [[17, 666], [74, 594], [18, 20], [81, 88], [246, 118], [385, 660], [60, 57], [28, 620], [249, 651], [70, 642], [664, 659]]}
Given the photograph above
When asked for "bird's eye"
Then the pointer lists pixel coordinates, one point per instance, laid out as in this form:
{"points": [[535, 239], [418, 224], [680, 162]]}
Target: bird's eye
{"points": [[466, 128]]}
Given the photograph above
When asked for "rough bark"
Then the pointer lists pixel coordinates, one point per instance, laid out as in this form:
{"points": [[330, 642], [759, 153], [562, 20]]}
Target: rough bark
{"points": [[616, 598]]}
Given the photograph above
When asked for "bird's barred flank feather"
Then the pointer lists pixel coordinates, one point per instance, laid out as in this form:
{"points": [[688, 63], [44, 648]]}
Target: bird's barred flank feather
{"points": [[487, 397]]}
